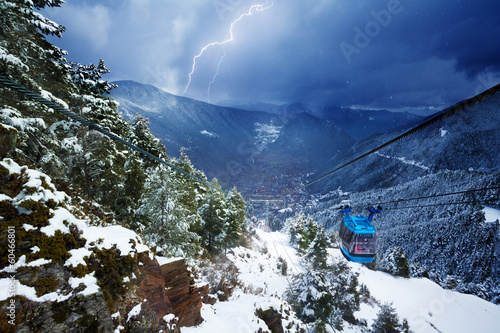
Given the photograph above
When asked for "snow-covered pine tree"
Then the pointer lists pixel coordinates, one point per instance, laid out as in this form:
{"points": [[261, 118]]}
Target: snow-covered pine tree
{"points": [[89, 78], [27, 58], [101, 161], [329, 295], [168, 223], [387, 320], [142, 137], [296, 228], [316, 253], [235, 218], [193, 191], [212, 212], [395, 262]]}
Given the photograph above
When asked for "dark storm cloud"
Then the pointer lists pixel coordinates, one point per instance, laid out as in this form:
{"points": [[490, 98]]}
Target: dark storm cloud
{"points": [[381, 53]]}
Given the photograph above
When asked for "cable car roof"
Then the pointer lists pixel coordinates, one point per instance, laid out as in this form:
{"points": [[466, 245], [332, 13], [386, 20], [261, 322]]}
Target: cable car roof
{"points": [[359, 224]]}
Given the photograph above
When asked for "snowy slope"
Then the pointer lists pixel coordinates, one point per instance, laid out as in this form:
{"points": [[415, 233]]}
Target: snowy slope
{"points": [[427, 306], [262, 286]]}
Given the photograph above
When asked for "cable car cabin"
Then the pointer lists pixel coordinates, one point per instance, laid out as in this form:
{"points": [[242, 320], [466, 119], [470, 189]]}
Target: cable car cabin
{"points": [[358, 237]]}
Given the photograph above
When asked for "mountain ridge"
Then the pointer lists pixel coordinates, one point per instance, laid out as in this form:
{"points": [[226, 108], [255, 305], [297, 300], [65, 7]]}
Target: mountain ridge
{"points": [[230, 143]]}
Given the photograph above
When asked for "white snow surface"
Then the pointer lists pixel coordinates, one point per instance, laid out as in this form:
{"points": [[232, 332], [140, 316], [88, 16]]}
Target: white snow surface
{"points": [[88, 280], [210, 134], [263, 287], [166, 260], [426, 304], [427, 307], [135, 311], [491, 214], [405, 161]]}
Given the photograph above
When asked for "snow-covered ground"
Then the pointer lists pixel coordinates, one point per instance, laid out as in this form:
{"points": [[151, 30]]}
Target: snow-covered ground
{"points": [[426, 306], [263, 287]]}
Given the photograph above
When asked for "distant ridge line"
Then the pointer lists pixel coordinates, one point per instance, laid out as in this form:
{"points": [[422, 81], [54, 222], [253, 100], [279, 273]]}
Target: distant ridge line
{"points": [[431, 120]]}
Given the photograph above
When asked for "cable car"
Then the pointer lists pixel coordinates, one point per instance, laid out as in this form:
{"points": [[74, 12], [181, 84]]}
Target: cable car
{"points": [[358, 237]]}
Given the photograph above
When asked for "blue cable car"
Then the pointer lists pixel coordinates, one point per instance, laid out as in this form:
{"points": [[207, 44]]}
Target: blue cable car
{"points": [[358, 237]]}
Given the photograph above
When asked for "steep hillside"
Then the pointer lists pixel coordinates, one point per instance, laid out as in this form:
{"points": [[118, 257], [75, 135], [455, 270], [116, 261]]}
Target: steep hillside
{"points": [[233, 145], [84, 220], [466, 140], [444, 237]]}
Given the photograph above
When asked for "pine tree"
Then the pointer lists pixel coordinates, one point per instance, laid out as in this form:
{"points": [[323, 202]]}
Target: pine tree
{"points": [[212, 212], [142, 137], [387, 320], [27, 58], [317, 254], [235, 218], [168, 226]]}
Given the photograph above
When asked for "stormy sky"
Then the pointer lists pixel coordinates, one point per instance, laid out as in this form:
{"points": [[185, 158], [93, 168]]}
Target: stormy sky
{"points": [[391, 54]]}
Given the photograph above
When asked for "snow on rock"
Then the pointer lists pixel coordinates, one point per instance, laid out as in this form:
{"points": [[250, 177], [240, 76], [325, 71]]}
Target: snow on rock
{"points": [[107, 237], [88, 280], [169, 317], [164, 260], [77, 257], [491, 214], [28, 292], [134, 312]]}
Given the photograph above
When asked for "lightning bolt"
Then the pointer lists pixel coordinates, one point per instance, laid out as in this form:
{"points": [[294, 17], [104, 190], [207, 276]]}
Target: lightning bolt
{"points": [[254, 8], [217, 73]]}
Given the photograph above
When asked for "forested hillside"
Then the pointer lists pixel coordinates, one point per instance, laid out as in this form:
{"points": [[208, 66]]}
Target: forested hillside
{"points": [[60, 178]]}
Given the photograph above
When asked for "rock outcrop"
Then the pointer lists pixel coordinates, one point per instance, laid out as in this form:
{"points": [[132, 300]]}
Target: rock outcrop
{"points": [[8, 139], [184, 296], [168, 291]]}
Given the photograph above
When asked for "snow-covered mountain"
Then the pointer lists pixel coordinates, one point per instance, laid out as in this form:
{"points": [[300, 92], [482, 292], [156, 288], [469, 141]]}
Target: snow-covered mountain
{"points": [[467, 140], [229, 143], [358, 123], [237, 145], [445, 237]]}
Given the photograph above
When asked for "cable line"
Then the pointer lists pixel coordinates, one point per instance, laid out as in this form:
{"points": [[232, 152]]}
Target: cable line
{"points": [[291, 261], [434, 196], [14, 86], [444, 204], [433, 119], [440, 195]]}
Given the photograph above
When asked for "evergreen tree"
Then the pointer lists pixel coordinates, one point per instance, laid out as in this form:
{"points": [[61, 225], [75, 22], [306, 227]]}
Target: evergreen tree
{"points": [[142, 137], [168, 226], [395, 262], [387, 320], [329, 295], [235, 218], [317, 254], [212, 212]]}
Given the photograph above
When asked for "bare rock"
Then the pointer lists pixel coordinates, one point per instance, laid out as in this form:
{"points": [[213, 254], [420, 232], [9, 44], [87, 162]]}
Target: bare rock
{"points": [[185, 298], [272, 318], [8, 139]]}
